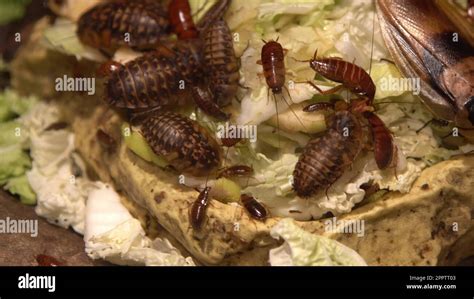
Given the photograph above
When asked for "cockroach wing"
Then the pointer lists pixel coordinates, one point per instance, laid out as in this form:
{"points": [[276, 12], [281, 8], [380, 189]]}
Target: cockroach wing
{"points": [[412, 66], [384, 148]]}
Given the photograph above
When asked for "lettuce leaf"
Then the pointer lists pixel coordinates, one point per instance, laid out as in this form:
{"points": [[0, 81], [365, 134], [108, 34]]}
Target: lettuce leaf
{"points": [[20, 186], [14, 163], [302, 248]]}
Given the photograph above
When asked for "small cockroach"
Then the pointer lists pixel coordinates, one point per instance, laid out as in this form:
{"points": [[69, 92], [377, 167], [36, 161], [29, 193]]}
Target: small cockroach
{"points": [[140, 24], [204, 99], [255, 209], [273, 63], [350, 75], [47, 261], [236, 171], [181, 20], [185, 144], [221, 63], [105, 140], [198, 210]]}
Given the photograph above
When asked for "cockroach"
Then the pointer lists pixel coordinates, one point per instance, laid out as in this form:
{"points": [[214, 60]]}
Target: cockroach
{"points": [[273, 63], [198, 210], [105, 140], [140, 24], [434, 52], [255, 209], [181, 20], [236, 171], [324, 159], [350, 75], [221, 63], [204, 99], [186, 145], [156, 78], [47, 261]]}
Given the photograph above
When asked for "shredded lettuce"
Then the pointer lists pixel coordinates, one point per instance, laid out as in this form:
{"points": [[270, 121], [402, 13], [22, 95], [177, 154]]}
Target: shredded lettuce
{"points": [[302, 248]]}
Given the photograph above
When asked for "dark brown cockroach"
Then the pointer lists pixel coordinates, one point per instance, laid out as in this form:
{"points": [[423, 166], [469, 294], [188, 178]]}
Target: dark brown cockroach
{"points": [[204, 99], [350, 75], [186, 145], [181, 20], [426, 44], [325, 159], [197, 213], [140, 24], [47, 261], [236, 171], [105, 140], [158, 78], [255, 209], [221, 63]]}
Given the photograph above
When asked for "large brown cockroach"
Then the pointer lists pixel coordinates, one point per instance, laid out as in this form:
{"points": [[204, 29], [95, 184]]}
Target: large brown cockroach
{"points": [[255, 209], [140, 24], [186, 145], [221, 63], [197, 214], [425, 44]]}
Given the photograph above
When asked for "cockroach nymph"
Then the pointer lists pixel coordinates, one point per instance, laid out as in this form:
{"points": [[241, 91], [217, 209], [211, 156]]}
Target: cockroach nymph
{"points": [[221, 63], [198, 210], [236, 171], [186, 145], [255, 209], [140, 24], [326, 158]]}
